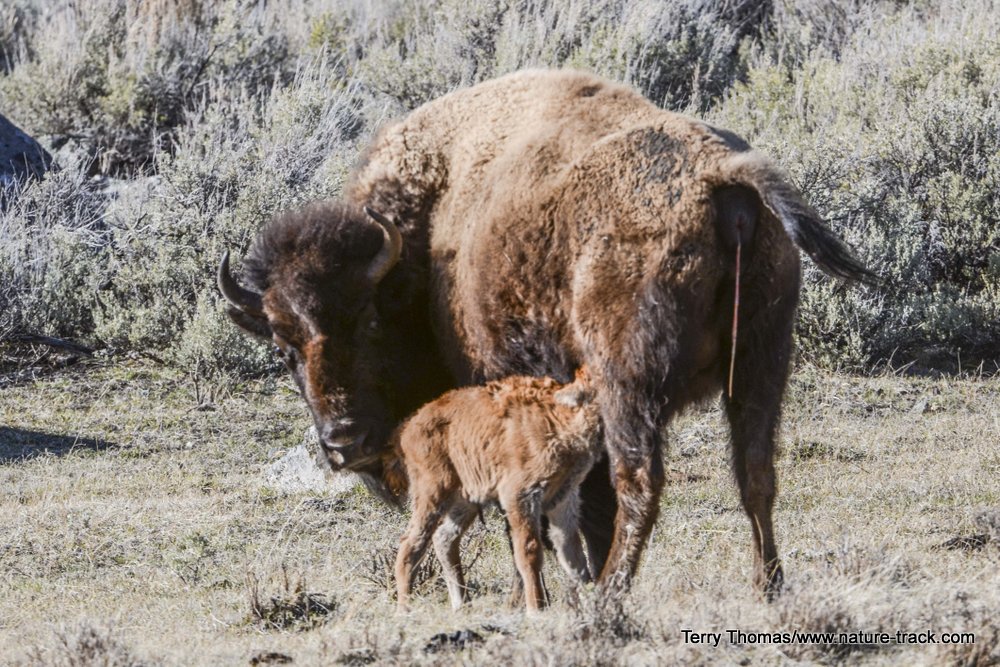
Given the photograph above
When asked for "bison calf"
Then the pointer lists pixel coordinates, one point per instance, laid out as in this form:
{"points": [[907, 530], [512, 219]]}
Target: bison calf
{"points": [[525, 443]]}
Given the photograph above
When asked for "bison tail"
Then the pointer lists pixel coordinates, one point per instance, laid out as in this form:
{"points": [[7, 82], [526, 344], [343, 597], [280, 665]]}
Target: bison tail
{"points": [[803, 225]]}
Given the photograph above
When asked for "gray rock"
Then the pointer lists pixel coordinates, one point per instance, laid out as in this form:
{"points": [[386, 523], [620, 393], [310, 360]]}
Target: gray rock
{"points": [[21, 156], [299, 470]]}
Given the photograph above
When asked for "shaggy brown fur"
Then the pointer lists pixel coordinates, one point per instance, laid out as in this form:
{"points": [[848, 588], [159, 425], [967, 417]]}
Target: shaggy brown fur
{"points": [[361, 354], [553, 219], [525, 443]]}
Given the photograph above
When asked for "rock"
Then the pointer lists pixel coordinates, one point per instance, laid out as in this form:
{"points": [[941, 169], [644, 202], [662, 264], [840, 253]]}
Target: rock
{"points": [[271, 658], [21, 156], [299, 470], [454, 641]]}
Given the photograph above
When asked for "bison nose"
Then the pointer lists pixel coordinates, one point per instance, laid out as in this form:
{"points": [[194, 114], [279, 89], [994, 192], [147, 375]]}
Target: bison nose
{"points": [[341, 441], [338, 434]]}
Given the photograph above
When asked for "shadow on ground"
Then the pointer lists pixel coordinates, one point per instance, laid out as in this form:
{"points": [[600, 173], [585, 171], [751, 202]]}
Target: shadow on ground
{"points": [[18, 444]]}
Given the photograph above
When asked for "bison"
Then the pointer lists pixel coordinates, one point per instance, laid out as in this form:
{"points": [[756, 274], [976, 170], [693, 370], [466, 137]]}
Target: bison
{"points": [[530, 225], [525, 443]]}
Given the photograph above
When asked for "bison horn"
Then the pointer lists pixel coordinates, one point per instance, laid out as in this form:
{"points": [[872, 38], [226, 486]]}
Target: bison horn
{"points": [[244, 299], [390, 252]]}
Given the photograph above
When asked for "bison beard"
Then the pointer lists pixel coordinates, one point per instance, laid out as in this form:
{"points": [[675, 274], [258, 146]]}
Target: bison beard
{"points": [[547, 220]]}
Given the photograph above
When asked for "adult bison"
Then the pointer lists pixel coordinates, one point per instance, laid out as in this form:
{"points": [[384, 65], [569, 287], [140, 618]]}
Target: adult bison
{"points": [[529, 225]]}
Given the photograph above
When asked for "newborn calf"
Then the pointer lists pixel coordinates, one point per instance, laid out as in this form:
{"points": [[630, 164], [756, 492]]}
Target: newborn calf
{"points": [[523, 442]]}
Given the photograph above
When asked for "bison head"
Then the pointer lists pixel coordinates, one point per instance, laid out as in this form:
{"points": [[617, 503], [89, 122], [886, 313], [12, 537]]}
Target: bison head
{"points": [[314, 275]]}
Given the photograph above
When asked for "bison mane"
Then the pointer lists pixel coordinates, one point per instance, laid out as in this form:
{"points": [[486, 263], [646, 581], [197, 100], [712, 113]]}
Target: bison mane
{"points": [[320, 238]]}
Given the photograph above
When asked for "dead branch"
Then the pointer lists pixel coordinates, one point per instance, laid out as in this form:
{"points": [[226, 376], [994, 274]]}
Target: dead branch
{"points": [[34, 339]]}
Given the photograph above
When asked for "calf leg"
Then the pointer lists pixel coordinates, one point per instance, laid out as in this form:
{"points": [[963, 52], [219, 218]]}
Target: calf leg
{"points": [[566, 539], [447, 543], [516, 597], [524, 516], [427, 513]]}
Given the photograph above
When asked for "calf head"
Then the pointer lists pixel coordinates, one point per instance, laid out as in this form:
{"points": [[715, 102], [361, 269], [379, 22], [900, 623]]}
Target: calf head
{"points": [[314, 274]]}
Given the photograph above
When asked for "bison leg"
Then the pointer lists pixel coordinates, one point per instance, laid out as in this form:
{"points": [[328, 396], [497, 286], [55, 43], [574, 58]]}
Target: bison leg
{"points": [[447, 543], [634, 445], [516, 597], [759, 377], [598, 507], [753, 428]]}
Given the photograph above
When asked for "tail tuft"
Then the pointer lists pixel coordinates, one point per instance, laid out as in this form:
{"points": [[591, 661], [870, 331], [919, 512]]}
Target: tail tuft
{"points": [[824, 247], [801, 222]]}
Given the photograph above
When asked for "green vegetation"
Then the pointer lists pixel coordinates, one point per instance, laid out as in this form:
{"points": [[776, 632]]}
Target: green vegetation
{"points": [[182, 126], [895, 137]]}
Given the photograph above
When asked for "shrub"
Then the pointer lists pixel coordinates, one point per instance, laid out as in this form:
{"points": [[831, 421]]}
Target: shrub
{"points": [[236, 164], [897, 143], [291, 608], [17, 20], [86, 646], [114, 78], [678, 54], [50, 240], [213, 116]]}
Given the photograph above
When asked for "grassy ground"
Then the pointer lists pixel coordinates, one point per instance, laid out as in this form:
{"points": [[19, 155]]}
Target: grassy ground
{"points": [[137, 529]]}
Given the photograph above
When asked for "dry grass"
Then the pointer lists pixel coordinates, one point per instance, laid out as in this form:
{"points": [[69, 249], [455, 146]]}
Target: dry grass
{"points": [[144, 535]]}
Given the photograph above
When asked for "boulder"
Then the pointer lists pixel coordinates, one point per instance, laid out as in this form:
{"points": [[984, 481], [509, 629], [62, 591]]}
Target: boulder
{"points": [[300, 470], [21, 156]]}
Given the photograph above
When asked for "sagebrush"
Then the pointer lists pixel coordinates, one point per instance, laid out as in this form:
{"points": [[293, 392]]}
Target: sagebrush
{"points": [[181, 126]]}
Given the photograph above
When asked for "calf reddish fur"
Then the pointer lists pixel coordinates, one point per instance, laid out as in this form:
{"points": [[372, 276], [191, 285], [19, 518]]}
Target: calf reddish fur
{"points": [[552, 219], [523, 442]]}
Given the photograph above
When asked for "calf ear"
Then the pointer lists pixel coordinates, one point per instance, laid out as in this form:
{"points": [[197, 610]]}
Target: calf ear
{"points": [[255, 326], [571, 396]]}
